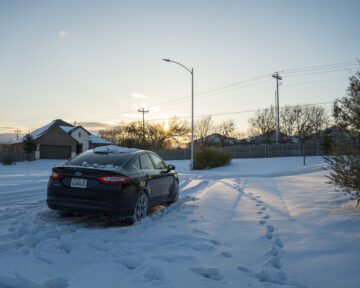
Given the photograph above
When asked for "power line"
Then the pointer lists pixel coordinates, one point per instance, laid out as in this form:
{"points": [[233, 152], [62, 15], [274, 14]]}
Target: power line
{"points": [[294, 72], [319, 67], [320, 72], [197, 94], [242, 112], [315, 82]]}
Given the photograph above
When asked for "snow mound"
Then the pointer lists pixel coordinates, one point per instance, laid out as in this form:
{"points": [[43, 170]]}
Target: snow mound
{"points": [[114, 149]]}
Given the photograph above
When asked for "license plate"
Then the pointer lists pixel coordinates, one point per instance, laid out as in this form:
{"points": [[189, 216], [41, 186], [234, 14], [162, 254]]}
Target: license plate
{"points": [[78, 183]]}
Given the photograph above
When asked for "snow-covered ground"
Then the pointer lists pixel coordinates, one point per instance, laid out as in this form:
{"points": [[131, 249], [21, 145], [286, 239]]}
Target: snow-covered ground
{"points": [[255, 223]]}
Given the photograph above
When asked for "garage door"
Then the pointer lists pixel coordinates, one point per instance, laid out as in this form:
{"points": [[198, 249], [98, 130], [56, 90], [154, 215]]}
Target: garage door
{"points": [[55, 152]]}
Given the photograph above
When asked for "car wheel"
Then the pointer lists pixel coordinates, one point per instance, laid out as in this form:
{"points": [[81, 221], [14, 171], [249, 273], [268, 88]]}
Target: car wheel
{"points": [[174, 193], [141, 207]]}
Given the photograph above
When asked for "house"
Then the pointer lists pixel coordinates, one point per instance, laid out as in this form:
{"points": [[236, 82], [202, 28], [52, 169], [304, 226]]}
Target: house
{"points": [[269, 138], [61, 140], [215, 140]]}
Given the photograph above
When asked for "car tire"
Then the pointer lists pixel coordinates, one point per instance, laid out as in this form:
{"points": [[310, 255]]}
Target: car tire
{"points": [[174, 192], [141, 207]]}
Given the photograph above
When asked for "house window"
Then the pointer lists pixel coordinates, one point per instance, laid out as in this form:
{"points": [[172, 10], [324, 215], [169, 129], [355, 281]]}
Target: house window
{"points": [[79, 134]]}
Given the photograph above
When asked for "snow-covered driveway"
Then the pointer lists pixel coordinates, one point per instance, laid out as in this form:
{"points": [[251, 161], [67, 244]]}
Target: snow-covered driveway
{"points": [[255, 223]]}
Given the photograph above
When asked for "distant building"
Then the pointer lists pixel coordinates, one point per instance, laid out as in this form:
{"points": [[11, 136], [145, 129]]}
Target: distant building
{"points": [[4, 147], [215, 140], [269, 138], [61, 140]]}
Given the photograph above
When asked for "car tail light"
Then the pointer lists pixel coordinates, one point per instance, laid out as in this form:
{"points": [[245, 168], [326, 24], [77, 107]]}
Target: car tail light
{"points": [[54, 175], [113, 179]]}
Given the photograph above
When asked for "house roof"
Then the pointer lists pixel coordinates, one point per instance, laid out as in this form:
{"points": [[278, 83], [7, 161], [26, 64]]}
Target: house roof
{"points": [[97, 140], [217, 138], [38, 132], [66, 127]]}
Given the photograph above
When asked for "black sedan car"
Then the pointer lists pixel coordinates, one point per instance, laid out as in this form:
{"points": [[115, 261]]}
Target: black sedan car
{"points": [[113, 181]]}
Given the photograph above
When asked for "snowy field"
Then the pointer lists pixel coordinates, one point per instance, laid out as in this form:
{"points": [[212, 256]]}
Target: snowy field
{"points": [[255, 223]]}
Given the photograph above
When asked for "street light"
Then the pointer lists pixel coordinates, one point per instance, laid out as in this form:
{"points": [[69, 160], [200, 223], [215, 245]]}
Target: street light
{"points": [[192, 108]]}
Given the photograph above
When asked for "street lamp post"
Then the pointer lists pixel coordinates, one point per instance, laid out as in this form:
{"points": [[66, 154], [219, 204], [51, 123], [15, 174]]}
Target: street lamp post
{"points": [[192, 109]]}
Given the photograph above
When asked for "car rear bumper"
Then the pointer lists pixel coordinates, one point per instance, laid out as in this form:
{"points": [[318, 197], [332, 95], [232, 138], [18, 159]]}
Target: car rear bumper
{"points": [[87, 207]]}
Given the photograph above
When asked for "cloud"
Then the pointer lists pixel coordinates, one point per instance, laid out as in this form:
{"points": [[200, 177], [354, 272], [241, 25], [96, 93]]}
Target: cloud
{"points": [[132, 115], [154, 109], [62, 33], [140, 106], [95, 125], [139, 96], [8, 127]]}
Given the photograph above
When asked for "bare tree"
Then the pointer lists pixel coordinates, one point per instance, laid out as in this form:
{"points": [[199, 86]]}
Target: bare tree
{"points": [[287, 123], [263, 124], [226, 129], [156, 137], [203, 127], [308, 120]]}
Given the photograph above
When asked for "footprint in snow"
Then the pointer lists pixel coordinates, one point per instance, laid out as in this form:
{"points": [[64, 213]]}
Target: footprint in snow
{"points": [[276, 262], [257, 204], [266, 217], [269, 235], [270, 228], [210, 273], [279, 243], [154, 273], [260, 212], [226, 254], [273, 277], [274, 250], [131, 263], [176, 258], [262, 222], [263, 208], [215, 242], [200, 232]]}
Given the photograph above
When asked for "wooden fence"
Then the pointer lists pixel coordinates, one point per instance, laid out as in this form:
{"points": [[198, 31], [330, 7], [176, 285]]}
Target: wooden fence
{"points": [[252, 151], [236, 151], [16, 156]]}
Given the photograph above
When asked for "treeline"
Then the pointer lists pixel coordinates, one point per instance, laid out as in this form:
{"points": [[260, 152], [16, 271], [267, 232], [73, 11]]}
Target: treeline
{"points": [[159, 136], [150, 136], [297, 123]]}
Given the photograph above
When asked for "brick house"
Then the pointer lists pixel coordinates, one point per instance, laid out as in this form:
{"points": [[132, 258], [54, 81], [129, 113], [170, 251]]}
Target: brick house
{"points": [[61, 140]]}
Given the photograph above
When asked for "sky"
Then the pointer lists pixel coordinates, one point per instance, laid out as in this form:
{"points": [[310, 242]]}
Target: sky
{"points": [[97, 62]]}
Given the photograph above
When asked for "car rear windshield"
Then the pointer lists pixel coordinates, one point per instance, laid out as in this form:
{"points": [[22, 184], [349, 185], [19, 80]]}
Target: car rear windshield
{"points": [[99, 160]]}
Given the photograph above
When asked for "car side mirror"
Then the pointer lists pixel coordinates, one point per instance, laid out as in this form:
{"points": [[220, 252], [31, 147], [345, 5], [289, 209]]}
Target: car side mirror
{"points": [[170, 167]]}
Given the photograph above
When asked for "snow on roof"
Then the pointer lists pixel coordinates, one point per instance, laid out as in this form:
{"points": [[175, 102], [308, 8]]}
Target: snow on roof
{"points": [[97, 140], [38, 132], [67, 129], [114, 149]]}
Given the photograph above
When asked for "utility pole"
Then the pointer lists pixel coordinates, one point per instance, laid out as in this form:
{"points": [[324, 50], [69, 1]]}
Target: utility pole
{"points": [[17, 131], [277, 77], [143, 111]]}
